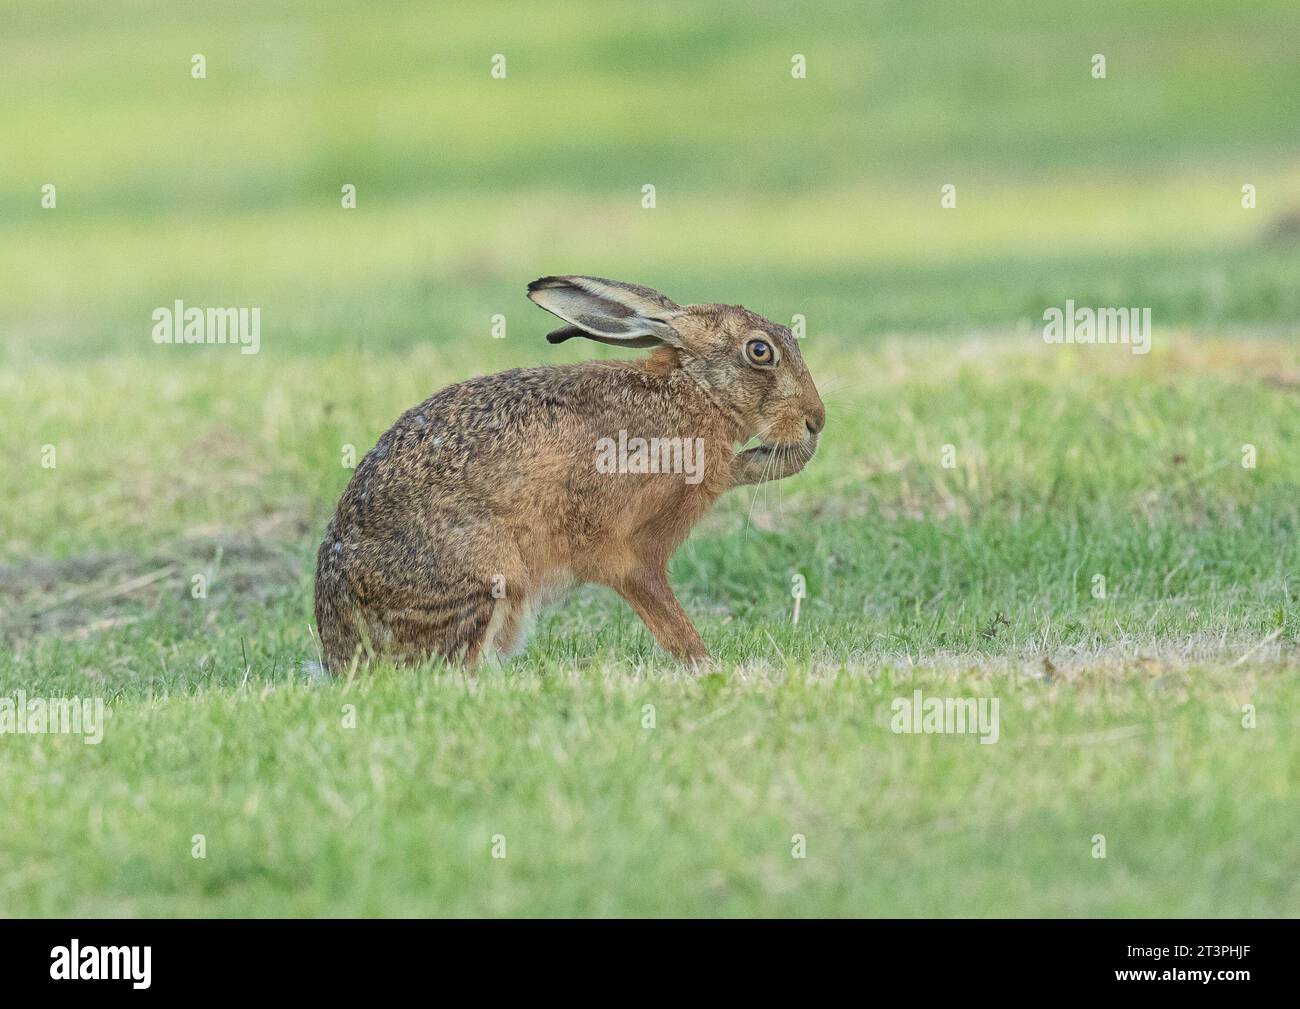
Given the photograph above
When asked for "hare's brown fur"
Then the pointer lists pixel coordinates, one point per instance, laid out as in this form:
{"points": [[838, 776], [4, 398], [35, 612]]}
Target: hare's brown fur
{"points": [[484, 501]]}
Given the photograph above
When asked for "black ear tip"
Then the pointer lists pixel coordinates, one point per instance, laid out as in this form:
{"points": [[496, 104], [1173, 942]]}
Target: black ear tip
{"points": [[541, 283], [560, 335]]}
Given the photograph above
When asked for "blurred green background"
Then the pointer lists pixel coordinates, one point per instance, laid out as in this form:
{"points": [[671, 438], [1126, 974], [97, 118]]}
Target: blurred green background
{"points": [[818, 196]]}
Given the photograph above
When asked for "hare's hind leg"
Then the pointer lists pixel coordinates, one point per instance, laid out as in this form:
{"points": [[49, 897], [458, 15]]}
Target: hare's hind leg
{"points": [[455, 627]]}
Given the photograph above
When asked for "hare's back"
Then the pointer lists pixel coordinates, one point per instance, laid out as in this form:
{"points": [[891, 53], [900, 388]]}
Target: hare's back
{"points": [[485, 440]]}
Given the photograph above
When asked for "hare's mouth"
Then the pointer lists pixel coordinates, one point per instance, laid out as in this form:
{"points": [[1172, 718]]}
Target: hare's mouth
{"points": [[806, 447]]}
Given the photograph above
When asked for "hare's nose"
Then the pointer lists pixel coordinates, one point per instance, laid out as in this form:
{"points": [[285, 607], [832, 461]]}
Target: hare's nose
{"points": [[816, 422]]}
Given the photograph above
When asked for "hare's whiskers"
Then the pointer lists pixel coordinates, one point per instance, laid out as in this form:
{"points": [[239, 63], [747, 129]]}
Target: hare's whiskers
{"points": [[767, 467]]}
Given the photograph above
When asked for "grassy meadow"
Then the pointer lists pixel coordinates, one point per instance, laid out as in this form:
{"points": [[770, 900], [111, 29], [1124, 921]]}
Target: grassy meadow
{"points": [[1108, 543]]}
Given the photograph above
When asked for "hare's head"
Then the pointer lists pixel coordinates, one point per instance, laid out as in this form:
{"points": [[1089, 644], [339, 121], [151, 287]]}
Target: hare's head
{"points": [[751, 368]]}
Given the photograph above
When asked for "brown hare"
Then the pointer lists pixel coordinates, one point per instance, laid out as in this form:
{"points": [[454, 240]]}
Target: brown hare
{"points": [[498, 494]]}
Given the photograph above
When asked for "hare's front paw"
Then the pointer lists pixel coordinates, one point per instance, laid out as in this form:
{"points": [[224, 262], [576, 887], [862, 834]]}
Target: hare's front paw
{"points": [[701, 664]]}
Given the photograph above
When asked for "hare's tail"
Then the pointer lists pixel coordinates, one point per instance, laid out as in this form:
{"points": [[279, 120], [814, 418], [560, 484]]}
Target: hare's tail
{"points": [[335, 611]]}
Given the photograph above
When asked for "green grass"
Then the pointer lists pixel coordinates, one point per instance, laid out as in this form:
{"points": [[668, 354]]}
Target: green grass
{"points": [[696, 815], [1121, 714]]}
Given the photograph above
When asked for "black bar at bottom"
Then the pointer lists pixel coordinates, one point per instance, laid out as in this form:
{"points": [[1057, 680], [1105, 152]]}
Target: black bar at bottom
{"points": [[337, 958]]}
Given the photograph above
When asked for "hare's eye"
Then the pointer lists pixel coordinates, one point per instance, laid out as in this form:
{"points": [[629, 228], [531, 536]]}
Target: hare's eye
{"points": [[759, 352]]}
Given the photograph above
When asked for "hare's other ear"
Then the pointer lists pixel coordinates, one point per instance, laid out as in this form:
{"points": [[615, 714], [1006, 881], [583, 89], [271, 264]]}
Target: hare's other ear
{"points": [[607, 311]]}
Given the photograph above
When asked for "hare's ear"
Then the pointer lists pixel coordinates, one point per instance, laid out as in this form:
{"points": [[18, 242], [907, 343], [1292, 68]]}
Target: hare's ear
{"points": [[607, 311]]}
